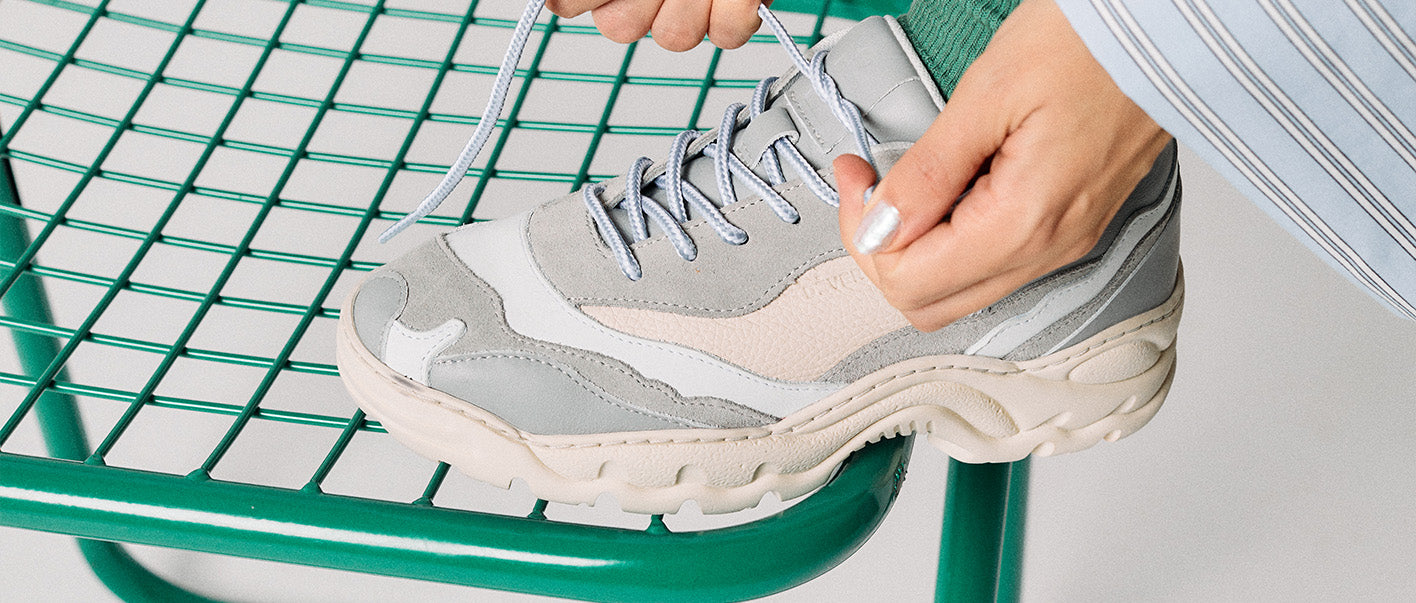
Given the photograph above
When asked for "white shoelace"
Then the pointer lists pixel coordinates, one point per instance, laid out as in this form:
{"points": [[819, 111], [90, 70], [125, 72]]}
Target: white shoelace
{"points": [[680, 193]]}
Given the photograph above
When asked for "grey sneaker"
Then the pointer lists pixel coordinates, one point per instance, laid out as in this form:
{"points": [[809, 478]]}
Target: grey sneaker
{"points": [[696, 330]]}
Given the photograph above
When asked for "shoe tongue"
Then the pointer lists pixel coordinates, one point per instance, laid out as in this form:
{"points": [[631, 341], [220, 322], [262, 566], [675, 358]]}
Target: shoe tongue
{"points": [[874, 67]]}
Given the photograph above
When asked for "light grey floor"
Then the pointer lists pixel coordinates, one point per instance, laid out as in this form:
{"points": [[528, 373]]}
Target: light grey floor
{"points": [[1278, 470]]}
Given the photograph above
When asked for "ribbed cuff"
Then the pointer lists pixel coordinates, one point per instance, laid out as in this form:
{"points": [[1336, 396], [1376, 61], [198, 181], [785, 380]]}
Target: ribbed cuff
{"points": [[950, 34]]}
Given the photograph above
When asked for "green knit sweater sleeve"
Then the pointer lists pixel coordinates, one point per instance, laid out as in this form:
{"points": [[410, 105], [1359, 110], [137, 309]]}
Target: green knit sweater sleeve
{"points": [[950, 34]]}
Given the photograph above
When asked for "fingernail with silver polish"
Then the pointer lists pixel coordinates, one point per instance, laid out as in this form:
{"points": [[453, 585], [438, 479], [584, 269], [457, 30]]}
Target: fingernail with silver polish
{"points": [[865, 198], [877, 228]]}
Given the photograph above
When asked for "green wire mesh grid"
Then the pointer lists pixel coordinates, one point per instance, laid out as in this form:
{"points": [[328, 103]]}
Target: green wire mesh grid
{"points": [[273, 200], [196, 184]]}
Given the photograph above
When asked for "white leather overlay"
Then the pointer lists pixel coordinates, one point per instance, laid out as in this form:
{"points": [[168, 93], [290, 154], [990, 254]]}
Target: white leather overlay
{"points": [[498, 253], [829, 312], [411, 352], [1011, 333]]}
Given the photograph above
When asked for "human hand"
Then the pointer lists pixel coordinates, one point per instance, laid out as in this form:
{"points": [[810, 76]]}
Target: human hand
{"points": [[1059, 148], [678, 25]]}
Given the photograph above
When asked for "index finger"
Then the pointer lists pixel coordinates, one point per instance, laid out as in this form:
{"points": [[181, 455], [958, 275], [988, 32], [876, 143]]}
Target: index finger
{"points": [[977, 243]]}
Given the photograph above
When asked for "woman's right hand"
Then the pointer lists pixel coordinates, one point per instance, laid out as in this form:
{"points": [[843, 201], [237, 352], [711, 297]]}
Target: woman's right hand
{"points": [[1063, 147], [678, 25]]}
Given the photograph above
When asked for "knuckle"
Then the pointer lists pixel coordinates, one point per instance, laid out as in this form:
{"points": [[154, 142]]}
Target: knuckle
{"points": [[1031, 240], [919, 171], [1075, 235], [1044, 232]]}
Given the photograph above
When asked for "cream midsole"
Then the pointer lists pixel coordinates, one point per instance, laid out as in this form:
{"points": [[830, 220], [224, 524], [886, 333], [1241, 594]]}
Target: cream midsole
{"points": [[976, 409]]}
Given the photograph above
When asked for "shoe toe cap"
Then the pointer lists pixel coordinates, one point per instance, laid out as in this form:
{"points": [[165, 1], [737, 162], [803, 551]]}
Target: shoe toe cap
{"points": [[377, 305], [409, 311], [428, 317]]}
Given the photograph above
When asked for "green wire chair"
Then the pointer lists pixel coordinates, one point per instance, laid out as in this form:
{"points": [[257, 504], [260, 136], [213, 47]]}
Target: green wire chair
{"points": [[142, 181]]}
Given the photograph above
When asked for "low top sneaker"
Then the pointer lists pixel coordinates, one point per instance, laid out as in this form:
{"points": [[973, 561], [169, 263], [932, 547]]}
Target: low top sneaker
{"points": [[695, 330]]}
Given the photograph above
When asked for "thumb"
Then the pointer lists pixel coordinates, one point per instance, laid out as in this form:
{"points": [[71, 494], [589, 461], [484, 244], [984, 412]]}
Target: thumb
{"points": [[929, 178], [855, 179]]}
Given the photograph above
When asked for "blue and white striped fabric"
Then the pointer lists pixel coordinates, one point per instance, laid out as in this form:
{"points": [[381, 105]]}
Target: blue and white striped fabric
{"points": [[1306, 106]]}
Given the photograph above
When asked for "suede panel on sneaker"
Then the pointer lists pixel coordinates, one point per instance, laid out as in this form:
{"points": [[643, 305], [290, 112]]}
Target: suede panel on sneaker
{"points": [[724, 280], [442, 288]]}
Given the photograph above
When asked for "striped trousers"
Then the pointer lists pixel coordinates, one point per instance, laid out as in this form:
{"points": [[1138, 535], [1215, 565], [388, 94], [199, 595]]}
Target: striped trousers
{"points": [[1306, 106]]}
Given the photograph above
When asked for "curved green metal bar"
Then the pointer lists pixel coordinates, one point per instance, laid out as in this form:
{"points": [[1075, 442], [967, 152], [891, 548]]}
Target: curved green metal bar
{"points": [[476, 549], [58, 416]]}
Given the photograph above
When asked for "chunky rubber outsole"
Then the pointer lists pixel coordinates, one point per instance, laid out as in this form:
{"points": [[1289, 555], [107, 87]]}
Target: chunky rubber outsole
{"points": [[977, 410]]}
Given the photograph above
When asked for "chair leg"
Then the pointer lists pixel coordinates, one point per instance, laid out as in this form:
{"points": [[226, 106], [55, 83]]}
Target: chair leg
{"points": [[127, 578], [1010, 575], [57, 414], [980, 554]]}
